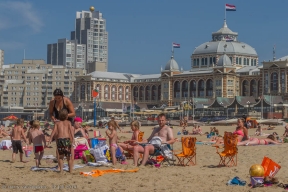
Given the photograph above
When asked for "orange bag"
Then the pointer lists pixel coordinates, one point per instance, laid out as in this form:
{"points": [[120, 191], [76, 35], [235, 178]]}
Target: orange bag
{"points": [[270, 167]]}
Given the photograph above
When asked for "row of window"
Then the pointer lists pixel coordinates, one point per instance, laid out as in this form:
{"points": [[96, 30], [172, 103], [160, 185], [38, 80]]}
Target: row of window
{"points": [[212, 60]]}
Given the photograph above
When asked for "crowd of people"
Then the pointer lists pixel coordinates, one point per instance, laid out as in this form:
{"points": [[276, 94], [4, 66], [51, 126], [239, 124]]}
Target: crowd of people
{"points": [[68, 133]]}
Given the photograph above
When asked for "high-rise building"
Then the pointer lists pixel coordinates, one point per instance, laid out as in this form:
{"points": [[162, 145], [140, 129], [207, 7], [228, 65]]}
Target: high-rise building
{"points": [[1, 58], [90, 29], [67, 53]]}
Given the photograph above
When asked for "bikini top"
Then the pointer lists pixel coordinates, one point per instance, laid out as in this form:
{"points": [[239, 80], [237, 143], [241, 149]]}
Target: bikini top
{"points": [[78, 134], [239, 132], [56, 112]]}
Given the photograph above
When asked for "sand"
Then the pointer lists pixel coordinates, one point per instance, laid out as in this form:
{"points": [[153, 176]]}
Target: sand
{"points": [[201, 177]]}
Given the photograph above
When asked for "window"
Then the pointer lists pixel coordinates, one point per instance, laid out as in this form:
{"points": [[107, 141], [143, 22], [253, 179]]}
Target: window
{"points": [[244, 61], [230, 83], [230, 92], [240, 60]]}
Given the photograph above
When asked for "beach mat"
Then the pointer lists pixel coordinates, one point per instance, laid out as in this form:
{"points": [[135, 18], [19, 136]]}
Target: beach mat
{"points": [[204, 143], [65, 168], [98, 164]]}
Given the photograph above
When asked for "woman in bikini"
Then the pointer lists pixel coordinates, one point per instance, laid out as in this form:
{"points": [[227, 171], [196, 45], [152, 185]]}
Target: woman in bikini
{"points": [[60, 102], [241, 132], [255, 141]]}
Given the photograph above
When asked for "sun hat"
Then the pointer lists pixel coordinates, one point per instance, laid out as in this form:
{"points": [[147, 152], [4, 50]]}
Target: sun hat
{"points": [[78, 119]]}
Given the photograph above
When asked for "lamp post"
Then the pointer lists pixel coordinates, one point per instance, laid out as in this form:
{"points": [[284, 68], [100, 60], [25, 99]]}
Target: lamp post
{"points": [[95, 112], [194, 105], [248, 103]]}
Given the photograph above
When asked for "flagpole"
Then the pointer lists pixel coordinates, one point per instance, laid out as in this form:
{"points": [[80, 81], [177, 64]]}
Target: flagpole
{"points": [[225, 12], [172, 50]]}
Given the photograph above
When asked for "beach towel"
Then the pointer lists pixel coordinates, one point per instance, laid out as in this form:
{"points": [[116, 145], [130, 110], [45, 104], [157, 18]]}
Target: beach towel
{"points": [[97, 173], [48, 157], [98, 164], [5, 144], [65, 168]]}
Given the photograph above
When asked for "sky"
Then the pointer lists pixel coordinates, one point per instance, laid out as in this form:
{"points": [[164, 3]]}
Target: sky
{"points": [[141, 32]]}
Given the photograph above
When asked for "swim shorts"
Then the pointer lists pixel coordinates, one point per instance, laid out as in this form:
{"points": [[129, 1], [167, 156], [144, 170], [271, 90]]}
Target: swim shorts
{"points": [[17, 146], [64, 146]]}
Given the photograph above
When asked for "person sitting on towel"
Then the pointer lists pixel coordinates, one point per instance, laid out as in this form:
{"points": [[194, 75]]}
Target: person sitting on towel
{"points": [[163, 131]]}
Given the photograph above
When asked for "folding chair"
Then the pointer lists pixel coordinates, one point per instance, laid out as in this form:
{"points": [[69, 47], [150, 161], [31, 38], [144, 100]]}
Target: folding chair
{"points": [[188, 151], [161, 157], [228, 157]]}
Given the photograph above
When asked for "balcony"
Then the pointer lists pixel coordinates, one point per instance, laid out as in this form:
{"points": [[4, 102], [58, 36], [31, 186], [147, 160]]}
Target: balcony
{"points": [[44, 90]]}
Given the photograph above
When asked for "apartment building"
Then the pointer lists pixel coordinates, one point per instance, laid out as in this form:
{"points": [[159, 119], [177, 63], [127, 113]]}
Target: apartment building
{"points": [[67, 53], [28, 87], [1, 58], [90, 29]]}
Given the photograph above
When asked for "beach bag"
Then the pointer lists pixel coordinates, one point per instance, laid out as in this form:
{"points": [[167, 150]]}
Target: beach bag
{"points": [[285, 140], [108, 154], [156, 142], [99, 154], [166, 152]]}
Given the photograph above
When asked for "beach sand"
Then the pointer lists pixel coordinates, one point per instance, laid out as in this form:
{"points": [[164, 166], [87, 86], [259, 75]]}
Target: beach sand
{"points": [[201, 177]]}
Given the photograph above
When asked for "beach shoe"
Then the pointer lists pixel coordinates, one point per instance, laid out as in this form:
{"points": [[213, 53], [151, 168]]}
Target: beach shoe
{"points": [[124, 163], [236, 181]]}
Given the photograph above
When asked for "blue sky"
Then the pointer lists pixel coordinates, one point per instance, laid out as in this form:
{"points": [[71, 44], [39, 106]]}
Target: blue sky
{"points": [[141, 32]]}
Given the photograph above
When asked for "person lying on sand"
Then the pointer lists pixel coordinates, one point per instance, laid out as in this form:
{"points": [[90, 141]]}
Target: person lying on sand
{"points": [[257, 141], [286, 130]]}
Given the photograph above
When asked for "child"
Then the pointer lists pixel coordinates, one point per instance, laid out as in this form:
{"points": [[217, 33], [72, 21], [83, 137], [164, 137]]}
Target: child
{"points": [[17, 133], [258, 131], [64, 139], [112, 126], [129, 145], [37, 137]]}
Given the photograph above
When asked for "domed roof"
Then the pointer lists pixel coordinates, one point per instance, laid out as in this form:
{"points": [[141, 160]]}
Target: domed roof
{"points": [[225, 30], [221, 47], [283, 58], [225, 41], [172, 65], [224, 60]]}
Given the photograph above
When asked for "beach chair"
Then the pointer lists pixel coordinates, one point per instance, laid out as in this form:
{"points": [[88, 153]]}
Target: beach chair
{"points": [[228, 157], [159, 155], [188, 153]]}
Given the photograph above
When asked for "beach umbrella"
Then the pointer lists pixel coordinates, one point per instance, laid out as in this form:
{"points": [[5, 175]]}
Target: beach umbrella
{"points": [[10, 118]]}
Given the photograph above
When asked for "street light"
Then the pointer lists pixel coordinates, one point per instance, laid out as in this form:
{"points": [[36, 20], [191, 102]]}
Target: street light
{"points": [[248, 103]]}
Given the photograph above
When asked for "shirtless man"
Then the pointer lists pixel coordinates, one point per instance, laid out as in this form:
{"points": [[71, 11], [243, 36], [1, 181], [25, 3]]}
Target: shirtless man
{"points": [[163, 131], [16, 135], [64, 139]]}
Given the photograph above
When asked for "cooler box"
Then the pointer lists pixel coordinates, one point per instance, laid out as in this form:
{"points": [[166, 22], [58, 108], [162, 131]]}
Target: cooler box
{"points": [[99, 142]]}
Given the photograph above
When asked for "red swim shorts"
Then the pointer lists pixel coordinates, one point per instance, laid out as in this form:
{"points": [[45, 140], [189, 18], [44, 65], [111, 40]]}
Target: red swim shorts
{"points": [[38, 149]]}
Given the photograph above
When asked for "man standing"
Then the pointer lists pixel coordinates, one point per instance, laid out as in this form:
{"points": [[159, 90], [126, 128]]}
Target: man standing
{"points": [[163, 131]]}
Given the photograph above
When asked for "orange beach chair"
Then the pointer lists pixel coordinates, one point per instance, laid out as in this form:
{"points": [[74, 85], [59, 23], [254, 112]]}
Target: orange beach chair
{"points": [[228, 157], [188, 151]]}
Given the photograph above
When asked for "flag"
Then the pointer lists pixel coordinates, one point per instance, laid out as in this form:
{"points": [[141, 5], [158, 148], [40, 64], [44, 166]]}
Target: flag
{"points": [[228, 39], [230, 7], [176, 45], [95, 92]]}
